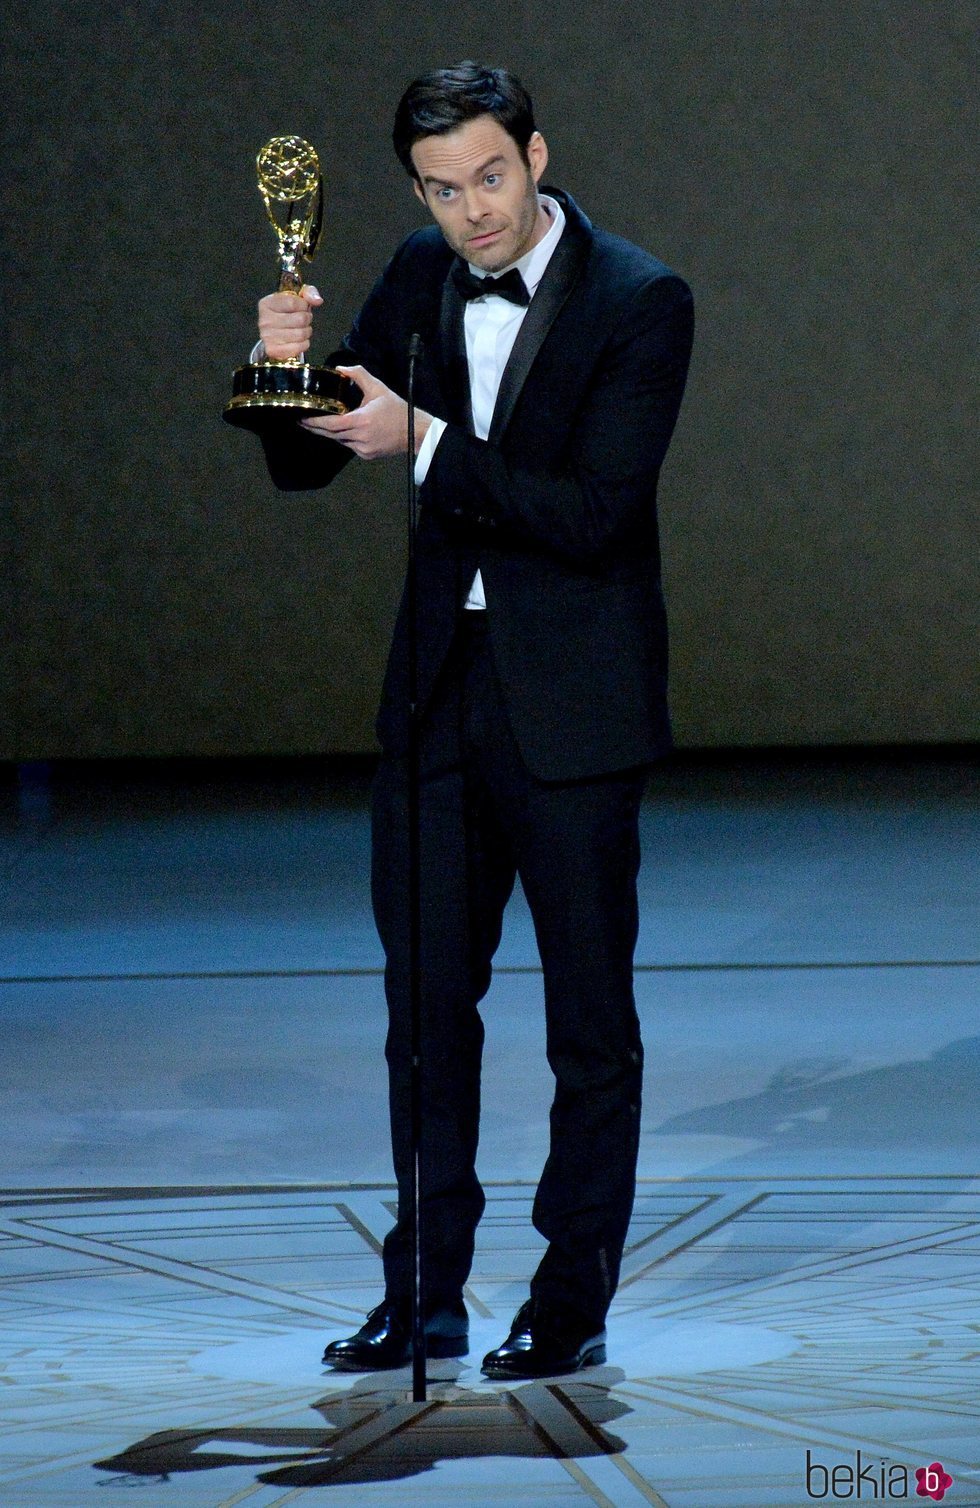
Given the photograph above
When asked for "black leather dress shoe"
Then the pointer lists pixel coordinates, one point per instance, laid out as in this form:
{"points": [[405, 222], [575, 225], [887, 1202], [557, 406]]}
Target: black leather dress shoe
{"points": [[544, 1344], [385, 1339]]}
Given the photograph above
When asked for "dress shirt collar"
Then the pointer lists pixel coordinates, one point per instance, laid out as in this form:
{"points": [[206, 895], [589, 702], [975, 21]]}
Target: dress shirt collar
{"points": [[532, 264]]}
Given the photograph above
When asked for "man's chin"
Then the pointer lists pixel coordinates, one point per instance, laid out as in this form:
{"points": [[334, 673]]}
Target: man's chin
{"points": [[489, 258]]}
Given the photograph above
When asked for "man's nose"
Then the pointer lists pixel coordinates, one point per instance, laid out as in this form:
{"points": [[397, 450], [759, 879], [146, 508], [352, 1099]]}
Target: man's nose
{"points": [[475, 206]]}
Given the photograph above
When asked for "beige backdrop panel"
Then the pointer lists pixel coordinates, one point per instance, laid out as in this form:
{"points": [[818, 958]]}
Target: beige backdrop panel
{"points": [[803, 165]]}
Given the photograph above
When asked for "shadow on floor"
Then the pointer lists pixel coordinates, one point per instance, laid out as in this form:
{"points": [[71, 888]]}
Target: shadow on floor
{"points": [[376, 1433], [926, 1101]]}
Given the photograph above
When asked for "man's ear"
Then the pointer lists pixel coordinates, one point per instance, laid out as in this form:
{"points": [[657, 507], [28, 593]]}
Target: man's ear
{"points": [[420, 191], [537, 155]]}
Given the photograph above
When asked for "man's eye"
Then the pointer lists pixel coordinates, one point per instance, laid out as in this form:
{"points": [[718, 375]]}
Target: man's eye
{"points": [[492, 178], [444, 193]]}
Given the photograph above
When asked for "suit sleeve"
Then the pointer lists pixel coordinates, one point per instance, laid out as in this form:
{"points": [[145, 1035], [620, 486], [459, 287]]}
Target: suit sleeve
{"points": [[600, 497]]}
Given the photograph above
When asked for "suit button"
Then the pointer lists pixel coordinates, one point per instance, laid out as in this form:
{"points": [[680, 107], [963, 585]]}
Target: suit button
{"points": [[457, 512]]}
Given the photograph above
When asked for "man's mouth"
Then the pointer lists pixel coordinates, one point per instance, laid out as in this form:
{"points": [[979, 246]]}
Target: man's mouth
{"points": [[484, 240]]}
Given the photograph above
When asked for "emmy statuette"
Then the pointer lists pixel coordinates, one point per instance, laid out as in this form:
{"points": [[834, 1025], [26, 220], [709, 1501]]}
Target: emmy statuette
{"points": [[270, 392]]}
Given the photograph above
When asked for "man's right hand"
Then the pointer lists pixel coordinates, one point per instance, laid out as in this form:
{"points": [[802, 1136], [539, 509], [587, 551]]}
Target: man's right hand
{"points": [[286, 322]]}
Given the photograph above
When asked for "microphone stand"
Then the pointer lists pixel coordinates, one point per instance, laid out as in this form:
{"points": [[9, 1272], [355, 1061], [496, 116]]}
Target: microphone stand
{"points": [[415, 905]]}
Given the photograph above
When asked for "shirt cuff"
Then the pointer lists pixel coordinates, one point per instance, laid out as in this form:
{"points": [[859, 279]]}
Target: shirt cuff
{"points": [[427, 449], [257, 353]]}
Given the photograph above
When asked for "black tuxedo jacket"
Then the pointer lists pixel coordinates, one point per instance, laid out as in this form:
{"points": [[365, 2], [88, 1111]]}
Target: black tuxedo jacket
{"points": [[557, 507]]}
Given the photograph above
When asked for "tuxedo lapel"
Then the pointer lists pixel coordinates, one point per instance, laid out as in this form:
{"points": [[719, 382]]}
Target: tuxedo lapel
{"points": [[560, 277], [452, 344]]}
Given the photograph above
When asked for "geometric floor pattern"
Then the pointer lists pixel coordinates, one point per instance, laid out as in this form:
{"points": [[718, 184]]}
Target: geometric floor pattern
{"points": [[162, 1346], [191, 1024]]}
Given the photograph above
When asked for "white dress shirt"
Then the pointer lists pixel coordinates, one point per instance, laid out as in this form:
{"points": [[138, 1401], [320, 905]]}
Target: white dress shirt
{"points": [[490, 325]]}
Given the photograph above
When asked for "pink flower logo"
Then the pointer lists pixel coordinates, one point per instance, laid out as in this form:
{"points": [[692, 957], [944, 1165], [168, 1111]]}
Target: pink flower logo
{"points": [[933, 1481]]}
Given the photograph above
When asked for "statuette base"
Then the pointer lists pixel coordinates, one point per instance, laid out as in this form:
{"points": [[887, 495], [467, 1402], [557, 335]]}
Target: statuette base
{"points": [[268, 392]]}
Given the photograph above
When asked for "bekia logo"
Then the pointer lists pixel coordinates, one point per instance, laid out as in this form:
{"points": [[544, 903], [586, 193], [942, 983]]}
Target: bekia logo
{"points": [[869, 1480], [933, 1482]]}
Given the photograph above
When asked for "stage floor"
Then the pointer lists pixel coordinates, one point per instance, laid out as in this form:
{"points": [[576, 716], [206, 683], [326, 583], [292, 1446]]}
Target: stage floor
{"points": [[196, 1178]]}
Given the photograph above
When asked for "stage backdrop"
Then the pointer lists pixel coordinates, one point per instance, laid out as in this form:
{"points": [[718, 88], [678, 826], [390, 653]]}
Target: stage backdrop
{"points": [[804, 165]]}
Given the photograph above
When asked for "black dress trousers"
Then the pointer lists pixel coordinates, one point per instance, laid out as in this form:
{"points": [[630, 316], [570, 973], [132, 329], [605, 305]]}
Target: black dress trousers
{"points": [[575, 845]]}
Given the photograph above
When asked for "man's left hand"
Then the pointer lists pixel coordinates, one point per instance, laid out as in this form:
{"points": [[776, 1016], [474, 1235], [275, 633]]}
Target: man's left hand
{"points": [[379, 427]]}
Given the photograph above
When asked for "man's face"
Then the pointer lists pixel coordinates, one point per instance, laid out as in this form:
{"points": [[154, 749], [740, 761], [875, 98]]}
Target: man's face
{"points": [[481, 192]]}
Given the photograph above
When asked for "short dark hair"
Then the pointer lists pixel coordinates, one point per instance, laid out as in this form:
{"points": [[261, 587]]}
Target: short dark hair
{"points": [[447, 98]]}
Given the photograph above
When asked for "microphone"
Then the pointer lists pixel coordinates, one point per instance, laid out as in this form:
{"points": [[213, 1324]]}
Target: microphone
{"points": [[414, 352], [415, 902]]}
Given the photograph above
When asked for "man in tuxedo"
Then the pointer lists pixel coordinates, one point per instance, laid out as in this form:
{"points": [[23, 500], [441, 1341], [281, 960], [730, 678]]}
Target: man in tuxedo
{"points": [[553, 363]]}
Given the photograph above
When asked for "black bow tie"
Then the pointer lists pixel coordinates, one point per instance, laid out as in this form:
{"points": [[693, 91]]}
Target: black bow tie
{"points": [[509, 285]]}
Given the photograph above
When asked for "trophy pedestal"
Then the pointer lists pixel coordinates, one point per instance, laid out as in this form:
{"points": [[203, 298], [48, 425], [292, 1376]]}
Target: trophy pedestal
{"points": [[267, 393]]}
